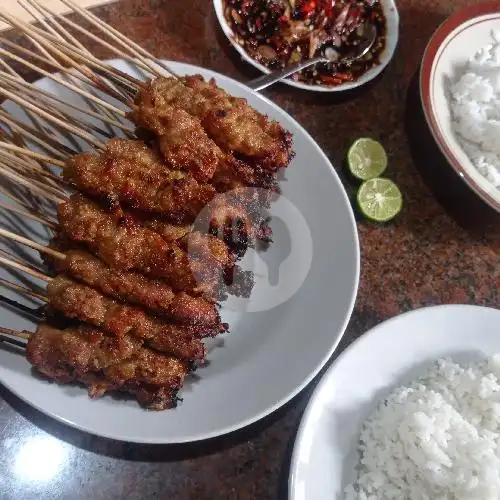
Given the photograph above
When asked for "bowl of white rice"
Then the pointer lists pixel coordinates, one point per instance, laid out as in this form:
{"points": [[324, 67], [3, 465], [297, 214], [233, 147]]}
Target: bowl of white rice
{"points": [[460, 92]]}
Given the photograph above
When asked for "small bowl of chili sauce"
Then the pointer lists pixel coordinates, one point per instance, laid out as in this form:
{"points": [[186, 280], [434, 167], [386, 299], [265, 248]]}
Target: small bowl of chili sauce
{"points": [[273, 34]]}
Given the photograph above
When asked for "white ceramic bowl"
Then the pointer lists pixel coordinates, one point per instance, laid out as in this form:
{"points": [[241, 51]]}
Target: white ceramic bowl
{"points": [[451, 46], [390, 355], [392, 18]]}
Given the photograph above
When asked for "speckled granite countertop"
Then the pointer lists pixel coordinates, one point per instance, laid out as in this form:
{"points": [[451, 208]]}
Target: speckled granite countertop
{"points": [[425, 258]]}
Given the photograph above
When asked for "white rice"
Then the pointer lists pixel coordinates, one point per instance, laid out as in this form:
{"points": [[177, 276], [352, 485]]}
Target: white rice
{"points": [[475, 110], [437, 439]]}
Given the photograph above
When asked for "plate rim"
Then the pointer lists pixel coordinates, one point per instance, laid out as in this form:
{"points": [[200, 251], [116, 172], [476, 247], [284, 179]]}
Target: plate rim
{"points": [[368, 76], [306, 415], [289, 396]]}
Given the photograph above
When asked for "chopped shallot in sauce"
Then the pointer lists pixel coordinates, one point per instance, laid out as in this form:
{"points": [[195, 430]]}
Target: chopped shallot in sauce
{"points": [[279, 33]]}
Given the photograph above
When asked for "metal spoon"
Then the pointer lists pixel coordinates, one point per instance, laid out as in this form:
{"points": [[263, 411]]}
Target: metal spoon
{"points": [[330, 54]]}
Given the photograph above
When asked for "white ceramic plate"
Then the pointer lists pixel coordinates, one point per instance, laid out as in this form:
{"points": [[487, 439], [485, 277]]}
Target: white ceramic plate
{"points": [[450, 48], [391, 354], [270, 355], [392, 18]]}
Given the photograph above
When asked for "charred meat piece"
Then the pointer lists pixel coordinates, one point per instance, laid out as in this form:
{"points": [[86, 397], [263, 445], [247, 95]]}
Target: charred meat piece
{"points": [[85, 304], [230, 122], [87, 355], [130, 172], [185, 145], [154, 295], [124, 245]]}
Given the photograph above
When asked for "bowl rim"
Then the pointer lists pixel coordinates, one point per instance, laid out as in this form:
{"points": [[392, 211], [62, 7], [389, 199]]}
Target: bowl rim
{"points": [[451, 24], [391, 44]]}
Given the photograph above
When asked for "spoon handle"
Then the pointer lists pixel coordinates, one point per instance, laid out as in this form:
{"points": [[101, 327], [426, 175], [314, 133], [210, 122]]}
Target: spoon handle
{"points": [[275, 76]]}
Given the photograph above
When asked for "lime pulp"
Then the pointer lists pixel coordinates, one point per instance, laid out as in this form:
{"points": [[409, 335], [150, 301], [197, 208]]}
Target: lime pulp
{"points": [[366, 159], [379, 199]]}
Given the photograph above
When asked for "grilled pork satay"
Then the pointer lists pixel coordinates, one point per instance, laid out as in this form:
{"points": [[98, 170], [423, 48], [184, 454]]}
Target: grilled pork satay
{"points": [[208, 250], [224, 219], [153, 295], [182, 141], [83, 303], [127, 246], [185, 145], [87, 355], [216, 252], [130, 172], [230, 122]]}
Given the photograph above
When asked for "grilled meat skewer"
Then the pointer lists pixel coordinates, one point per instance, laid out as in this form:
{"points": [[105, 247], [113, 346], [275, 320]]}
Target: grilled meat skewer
{"points": [[85, 304], [126, 246], [184, 145], [229, 121], [153, 295], [88, 356], [130, 172]]}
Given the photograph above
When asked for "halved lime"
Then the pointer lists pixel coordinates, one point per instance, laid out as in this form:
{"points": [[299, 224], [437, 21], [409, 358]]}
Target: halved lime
{"points": [[366, 159], [379, 199]]}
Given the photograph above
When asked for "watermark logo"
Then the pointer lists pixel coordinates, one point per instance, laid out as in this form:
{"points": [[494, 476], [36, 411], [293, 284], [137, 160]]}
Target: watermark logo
{"points": [[271, 236]]}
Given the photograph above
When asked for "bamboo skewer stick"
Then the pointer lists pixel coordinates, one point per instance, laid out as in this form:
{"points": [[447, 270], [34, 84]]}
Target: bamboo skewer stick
{"points": [[29, 310], [60, 102], [62, 82], [40, 188], [26, 163], [30, 168], [23, 162], [34, 11], [27, 211], [53, 45], [25, 269], [62, 19], [110, 47], [8, 68], [32, 55], [121, 39], [74, 130], [67, 72], [44, 36], [38, 218], [30, 134], [113, 74], [19, 200], [124, 42], [41, 126], [22, 91], [22, 289], [32, 154], [12, 196], [14, 333], [34, 118], [32, 244], [45, 183], [50, 184], [32, 172], [19, 260], [44, 99], [49, 60], [35, 187], [18, 169], [30, 270], [90, 97]]}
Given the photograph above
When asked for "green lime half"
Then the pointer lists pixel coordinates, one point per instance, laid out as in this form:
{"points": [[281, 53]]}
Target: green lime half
{"points": [[379, 199], [366, 159]]}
